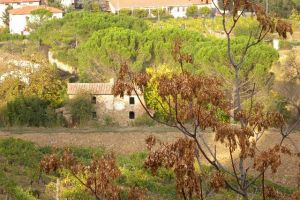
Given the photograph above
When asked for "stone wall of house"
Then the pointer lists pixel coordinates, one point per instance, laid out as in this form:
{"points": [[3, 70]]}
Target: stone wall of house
{"points": [[117, 108]]}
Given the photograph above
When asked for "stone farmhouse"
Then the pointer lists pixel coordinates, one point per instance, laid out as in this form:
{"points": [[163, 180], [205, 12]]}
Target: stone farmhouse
{"points": [[19, 17], [177, 8], [123, 110]]}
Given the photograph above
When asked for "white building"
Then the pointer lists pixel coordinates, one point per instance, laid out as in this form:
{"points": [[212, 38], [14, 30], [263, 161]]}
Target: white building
{"points": [[67, 3], [15, 4], [177, 8], [18, 18]]}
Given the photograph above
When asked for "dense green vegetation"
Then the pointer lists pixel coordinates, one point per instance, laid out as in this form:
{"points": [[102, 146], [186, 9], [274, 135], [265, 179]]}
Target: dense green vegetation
{"points": [[96, 44], [32, 103], [6, 36], [80, 108]]}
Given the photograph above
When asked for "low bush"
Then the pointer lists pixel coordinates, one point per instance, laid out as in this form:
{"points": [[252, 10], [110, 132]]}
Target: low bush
{"points": [[81, 109], [160, 12], [135, 175], [192, 11], [109, 120], [28, 111], [143, 120], [6, 36], [20, 152], [140, 13], [13, 190], [125, 11]]}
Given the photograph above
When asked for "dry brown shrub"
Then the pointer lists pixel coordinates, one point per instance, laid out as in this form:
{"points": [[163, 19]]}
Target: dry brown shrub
{"points": [[136, 194], [217, 181], [99, 175], [180, 157]]}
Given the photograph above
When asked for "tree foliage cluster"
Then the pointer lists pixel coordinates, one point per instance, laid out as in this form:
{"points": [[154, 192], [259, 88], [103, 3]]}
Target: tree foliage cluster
{"points": [[194, 11], [98, 43], [81, 108], [5, 15], [39, 17], [144, 13], [32, 103], [27, 111]]}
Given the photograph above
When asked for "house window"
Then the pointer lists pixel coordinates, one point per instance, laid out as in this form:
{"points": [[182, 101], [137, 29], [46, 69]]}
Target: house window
{"points": [[131, 100], [177, 9], [94, 100], [131, 115], [94, 115]]}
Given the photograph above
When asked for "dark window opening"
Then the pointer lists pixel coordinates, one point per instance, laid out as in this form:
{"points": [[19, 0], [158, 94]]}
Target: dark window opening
{"points": [[131, 100], [94, 115], [94, 100], [131, 115]]}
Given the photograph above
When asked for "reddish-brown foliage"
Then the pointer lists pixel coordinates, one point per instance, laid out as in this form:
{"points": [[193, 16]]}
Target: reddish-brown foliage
{"points": [[217, 181], [99, 175], [180, 157], [136, 194], [274, 194]]}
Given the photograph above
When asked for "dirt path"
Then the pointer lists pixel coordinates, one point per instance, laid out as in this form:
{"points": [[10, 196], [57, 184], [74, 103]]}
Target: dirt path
{"points": [[131, 141], [121, 142]]}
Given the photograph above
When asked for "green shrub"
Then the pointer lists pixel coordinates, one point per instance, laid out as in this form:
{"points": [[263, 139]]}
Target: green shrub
{"points": [[143, 120], [19, 193], [28, 111], [6, 36], [204, 11], [134, 174], [140, 13], [246, 27], [20, 152], [160, 12], [12, 189], [81, 108], [108, 120], [3, 117], [125, 11], [192, 11], [92, 5]]}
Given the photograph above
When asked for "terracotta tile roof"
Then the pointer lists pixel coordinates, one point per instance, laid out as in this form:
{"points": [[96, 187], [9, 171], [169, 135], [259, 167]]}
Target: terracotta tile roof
{"points": [[155, 3], [29, 9], [17, 1], [93, 88]]}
